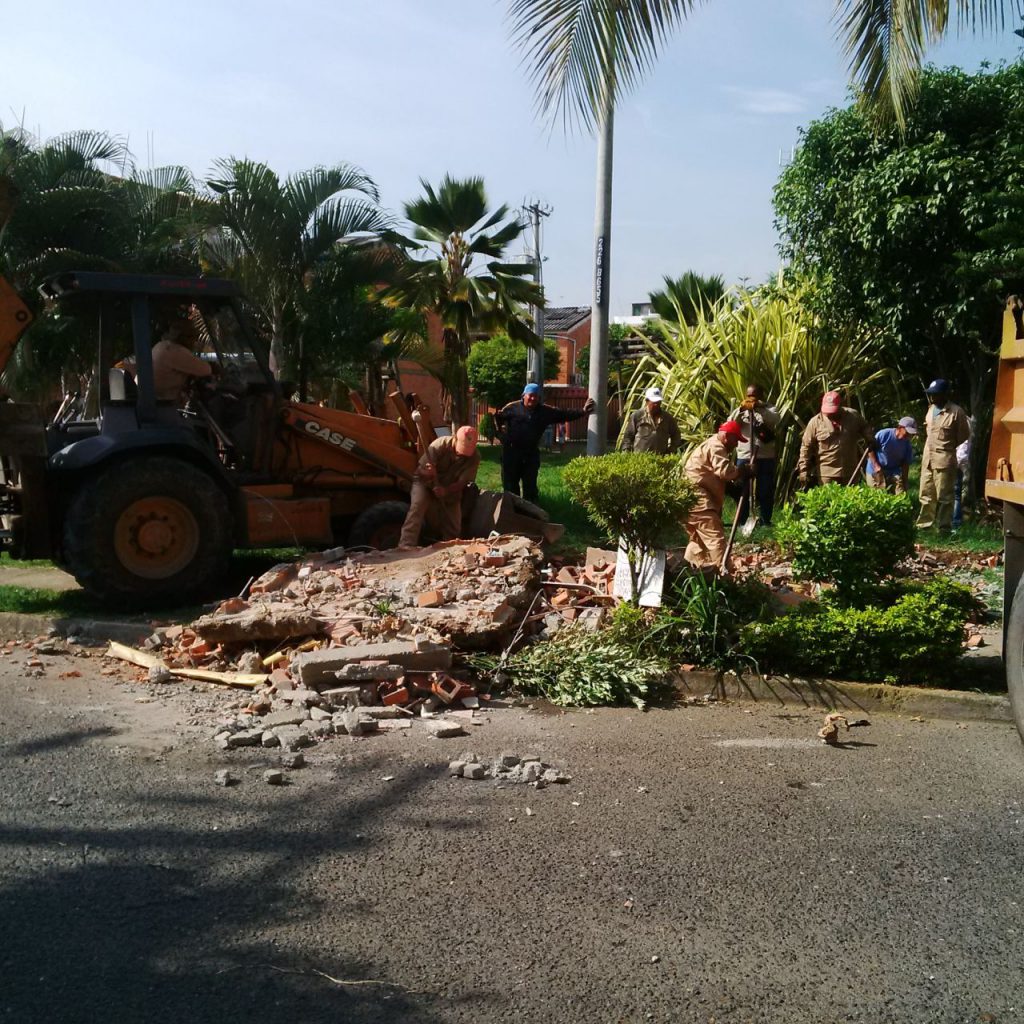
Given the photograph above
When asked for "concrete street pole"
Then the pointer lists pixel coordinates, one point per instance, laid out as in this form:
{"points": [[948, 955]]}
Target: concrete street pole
{"points": [[597, 424], [535, 357]]}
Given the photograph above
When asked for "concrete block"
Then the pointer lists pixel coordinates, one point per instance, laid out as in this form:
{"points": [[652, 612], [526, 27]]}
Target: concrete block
{"points": [[290, 717], [224, 778], [273, 777], [270, 739], [246, 738], [509, 760], [375, 670], [342, 696], [319, 715], [293, 761], [430, 599], [442, 730], [292, 737], [313, 667], [455, 767], [531, 771], [474, 771]]}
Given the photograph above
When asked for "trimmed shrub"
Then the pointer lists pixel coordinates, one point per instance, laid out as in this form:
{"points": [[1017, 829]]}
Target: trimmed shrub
{"points": [[849, 536], [638, 496], [917, 639]]}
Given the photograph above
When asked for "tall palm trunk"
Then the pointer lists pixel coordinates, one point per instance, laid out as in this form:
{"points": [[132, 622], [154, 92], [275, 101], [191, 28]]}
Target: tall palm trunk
{"points": [[456, 351]]}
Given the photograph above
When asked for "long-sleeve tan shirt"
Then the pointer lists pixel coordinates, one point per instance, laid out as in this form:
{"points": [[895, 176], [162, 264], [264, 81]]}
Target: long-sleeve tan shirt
{"points": [[644, 433], [710, 468], [947, 428], [830, 449], [450, 470], [173, 367]]}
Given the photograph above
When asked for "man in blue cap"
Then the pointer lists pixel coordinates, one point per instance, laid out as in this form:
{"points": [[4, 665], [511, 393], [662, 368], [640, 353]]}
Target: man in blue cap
{"points": [[947, 428], [889, 467], [521, 425]]}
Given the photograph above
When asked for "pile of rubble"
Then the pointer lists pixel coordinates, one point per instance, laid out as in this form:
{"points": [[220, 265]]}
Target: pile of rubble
{"points": [[528, 769], [353, 643]]}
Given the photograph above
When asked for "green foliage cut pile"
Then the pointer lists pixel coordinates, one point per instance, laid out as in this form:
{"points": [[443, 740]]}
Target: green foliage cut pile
{"points": [[584, 669], [917, 639], [850, 536]]}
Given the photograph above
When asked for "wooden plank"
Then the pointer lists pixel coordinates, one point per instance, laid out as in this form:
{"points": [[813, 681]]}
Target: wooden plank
{"points": [[144, 659]]}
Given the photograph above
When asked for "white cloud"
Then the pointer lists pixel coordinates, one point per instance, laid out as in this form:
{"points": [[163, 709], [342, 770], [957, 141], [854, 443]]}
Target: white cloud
{"points": [[767, 101]]}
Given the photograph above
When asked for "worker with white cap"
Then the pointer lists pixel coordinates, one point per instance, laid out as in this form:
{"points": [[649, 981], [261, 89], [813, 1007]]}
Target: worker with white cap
{"points": [[889, 466], [446, 468], [651, 429]]}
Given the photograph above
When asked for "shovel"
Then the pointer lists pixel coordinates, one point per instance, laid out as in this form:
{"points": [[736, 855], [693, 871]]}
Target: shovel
{"points": [[748, 527]]}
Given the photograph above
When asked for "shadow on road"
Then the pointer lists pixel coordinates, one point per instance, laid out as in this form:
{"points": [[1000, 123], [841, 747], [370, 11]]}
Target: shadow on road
{"points": [[164, 922]]}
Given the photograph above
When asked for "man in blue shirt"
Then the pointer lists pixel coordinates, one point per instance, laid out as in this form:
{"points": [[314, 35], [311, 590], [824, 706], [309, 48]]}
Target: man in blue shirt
{"points": [[889, 466]]}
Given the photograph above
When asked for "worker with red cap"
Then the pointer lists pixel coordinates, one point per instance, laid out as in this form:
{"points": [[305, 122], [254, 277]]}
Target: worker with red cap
{"points": [[830, 449], [709, 469], [446, 468]]}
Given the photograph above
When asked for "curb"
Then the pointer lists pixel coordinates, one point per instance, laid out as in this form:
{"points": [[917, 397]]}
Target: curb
{"points": [[817, 694], [15, 624], [831, 695]]}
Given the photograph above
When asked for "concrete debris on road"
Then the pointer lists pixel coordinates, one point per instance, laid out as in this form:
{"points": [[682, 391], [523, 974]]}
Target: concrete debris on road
{"points": [[528, 769]]}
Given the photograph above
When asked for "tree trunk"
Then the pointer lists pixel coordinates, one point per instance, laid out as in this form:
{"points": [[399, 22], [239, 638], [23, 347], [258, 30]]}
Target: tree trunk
{"points": [[456, 378]]}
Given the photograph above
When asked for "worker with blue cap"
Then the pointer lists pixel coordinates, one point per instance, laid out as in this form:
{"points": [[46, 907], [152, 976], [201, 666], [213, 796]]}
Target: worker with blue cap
{"points": [[521, 425], [947, 427]]}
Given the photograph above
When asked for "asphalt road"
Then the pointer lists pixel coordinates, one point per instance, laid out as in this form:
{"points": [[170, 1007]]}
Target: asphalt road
{"points": [[705, 864]]}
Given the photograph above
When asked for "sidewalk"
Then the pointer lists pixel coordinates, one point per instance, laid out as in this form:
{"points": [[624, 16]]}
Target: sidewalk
{"points": [[39, 577]]}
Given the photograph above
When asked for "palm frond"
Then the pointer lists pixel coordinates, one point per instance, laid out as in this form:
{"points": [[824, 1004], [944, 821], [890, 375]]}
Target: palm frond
{"points": [[581, 51]]}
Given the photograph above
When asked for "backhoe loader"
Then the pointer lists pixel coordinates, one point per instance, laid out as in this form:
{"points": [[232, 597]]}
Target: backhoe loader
{"points": [[143, 499]]}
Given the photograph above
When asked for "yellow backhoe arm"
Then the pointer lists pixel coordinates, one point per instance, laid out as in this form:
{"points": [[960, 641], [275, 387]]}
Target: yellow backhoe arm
{"points": [[14, 319]]}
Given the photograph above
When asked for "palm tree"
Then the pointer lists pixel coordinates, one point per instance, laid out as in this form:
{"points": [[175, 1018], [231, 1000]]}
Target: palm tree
{"points": [[453, 225], [272, 233], [686, 299], [584, 55]]}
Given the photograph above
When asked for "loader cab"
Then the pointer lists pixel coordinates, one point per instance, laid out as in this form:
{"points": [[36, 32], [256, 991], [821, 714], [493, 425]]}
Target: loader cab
{"points": [[126, 316]]}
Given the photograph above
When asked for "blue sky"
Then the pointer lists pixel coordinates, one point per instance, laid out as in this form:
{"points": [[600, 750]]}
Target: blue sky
{"points": [[417, 88]]}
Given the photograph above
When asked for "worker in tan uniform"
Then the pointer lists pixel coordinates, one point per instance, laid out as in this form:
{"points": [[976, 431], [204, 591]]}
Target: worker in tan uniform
{"points": [[709, 469], [446, 468], [175, 365], [651, 429], [830, 448], [947, 428]]}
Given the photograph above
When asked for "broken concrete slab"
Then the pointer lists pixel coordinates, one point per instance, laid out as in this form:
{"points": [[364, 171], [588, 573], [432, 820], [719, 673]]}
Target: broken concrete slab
{"points": [[342, 696], [315, 667], [260, 620], [442, 730], [290, 717], [378, 671]]}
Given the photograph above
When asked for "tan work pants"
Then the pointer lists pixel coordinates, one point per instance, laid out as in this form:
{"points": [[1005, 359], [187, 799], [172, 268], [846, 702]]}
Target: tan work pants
{"points": [[892, 484], [938, 488], [444, 517], [707, 538]]}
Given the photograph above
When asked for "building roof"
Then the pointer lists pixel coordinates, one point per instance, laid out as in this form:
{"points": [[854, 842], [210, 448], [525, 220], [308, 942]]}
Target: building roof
{"points": [[564, 318]]}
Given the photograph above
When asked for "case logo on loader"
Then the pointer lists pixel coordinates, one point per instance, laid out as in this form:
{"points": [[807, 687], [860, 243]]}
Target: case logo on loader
{"points": [[325, 433]]}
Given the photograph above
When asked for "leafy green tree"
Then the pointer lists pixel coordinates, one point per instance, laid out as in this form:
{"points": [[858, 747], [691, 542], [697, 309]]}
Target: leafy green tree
{"points": [[463, 279], [904, 236], [687, 298], [585, 55], [496, 367], [272, 234], [78, 202]]}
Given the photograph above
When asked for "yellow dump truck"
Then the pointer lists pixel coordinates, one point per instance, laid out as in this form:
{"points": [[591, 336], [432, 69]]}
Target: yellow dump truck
{"points": [[1005, 482]]}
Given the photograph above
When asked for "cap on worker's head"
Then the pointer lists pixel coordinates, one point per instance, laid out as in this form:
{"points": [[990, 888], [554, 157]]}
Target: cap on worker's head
{"points": [[531, 389], [831, 402], [465, 440], [653, 395], [939, 386], [732, 428], [909, 424]]}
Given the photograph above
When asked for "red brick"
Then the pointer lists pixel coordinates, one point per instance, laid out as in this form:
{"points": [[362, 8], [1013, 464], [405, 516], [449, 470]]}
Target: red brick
{"points": [[430, 599]]}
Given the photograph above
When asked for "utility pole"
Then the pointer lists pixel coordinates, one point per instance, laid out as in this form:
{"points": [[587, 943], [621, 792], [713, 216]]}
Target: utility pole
{"points": [[535, 357]]}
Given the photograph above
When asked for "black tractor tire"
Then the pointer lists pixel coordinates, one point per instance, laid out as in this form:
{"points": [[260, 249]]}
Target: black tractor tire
{"points": [[379, 526], [1013, 656], [148, 531]]}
